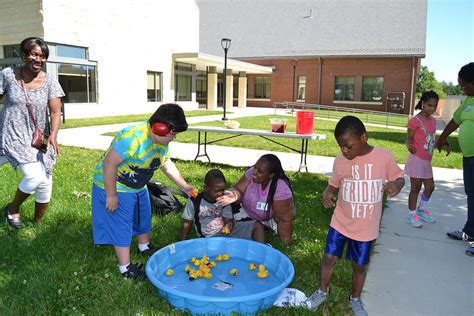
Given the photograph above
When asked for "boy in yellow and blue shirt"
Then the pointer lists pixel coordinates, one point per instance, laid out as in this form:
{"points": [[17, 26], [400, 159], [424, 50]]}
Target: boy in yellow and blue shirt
{"points": [[120, 203]]}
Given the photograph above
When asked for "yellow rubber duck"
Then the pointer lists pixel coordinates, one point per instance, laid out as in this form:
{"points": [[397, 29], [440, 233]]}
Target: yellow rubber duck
{"points": [[261, 267], [207, 275], [234, 272], [226, 230], [212, 264], [262, 274], [225, 257], [187, 268], [252, 266], [197, 262], [192, 259], [219, 258], [169, 272]]}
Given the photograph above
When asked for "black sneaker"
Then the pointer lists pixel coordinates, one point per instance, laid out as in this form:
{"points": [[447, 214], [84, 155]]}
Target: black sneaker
{"points": [[148, 252], [12, 222], [459, 235], [134, 271]]}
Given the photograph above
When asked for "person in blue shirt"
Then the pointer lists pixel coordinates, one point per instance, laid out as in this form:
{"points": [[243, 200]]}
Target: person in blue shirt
{"points": [[120, 202]]}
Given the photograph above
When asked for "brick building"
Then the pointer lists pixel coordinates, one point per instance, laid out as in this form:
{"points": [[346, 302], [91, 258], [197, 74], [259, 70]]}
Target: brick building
{"points": [[362, 54], [129, 58]]}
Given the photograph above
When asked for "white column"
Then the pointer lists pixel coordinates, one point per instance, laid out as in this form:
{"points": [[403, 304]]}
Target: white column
{"points": [[229, 91], [242, 101], [212, 89]]}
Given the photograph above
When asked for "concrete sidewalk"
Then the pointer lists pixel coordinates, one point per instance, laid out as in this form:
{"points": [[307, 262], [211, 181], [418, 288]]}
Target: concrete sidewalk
{"points": [[412, 271], [420, 271]]}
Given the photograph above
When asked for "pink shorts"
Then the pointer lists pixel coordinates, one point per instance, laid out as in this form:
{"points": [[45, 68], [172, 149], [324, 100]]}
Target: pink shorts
{"points": [[416, 167]]}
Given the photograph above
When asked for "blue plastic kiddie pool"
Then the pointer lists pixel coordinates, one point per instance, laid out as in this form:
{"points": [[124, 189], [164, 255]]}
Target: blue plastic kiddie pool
{"points": [[224, 293]]}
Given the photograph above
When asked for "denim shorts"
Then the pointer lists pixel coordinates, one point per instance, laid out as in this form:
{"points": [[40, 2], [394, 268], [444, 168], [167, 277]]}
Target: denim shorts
{"points": [[357, 251], [131, 218]]}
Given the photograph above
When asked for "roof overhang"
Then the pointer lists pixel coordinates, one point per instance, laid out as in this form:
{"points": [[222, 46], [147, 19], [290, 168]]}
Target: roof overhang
{"points": [[203, 60]]}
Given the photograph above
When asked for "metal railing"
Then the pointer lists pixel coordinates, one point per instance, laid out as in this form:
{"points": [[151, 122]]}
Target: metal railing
{"points": [[336, 112]]}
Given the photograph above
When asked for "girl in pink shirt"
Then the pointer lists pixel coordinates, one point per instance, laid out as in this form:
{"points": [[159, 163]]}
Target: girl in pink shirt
{"points": [[420, 143]]}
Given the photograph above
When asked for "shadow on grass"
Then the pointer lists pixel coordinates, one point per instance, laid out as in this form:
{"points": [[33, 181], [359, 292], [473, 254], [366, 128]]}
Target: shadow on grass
{"points": [[55, 268]]}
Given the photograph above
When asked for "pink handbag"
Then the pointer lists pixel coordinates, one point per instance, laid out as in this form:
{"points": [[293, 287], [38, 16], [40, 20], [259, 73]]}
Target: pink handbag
{"points": [[40, 139]]}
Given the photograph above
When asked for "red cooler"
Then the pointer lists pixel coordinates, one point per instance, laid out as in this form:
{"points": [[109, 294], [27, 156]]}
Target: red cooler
{"points": [[304, 122]]}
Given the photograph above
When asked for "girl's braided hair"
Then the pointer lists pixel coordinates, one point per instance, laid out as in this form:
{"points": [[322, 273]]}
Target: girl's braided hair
{"points": [[274, 166], [425, 97]]}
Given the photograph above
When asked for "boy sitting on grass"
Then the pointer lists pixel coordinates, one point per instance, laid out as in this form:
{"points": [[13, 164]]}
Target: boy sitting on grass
{"points": [[213, 220]]}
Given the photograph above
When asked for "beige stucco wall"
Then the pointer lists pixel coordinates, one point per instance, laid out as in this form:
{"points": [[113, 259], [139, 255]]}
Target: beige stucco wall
{"points": [[450, 105], [20, 19], [126, 38]]}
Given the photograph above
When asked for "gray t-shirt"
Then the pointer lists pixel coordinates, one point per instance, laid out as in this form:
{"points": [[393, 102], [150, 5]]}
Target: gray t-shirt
{"points": [[211, 216], [16, 127]]}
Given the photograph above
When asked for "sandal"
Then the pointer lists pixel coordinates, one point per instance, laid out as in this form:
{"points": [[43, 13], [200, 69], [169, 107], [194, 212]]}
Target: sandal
{"points": [[12, 222]]}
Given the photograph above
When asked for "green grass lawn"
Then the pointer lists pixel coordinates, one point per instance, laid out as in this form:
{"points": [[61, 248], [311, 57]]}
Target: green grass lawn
{"points": [[391, 139], [55, 268], [366, 117], [72, 123]]}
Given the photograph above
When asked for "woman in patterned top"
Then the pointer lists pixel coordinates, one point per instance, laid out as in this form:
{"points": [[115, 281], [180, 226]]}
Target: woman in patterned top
{"points": [[17, 84]]}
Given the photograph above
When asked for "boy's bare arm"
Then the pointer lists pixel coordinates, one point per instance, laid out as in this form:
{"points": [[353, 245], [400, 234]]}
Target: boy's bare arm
{"points": [[186, 228], [329, 196], [170, 170], [392, 188], [112, 160]]}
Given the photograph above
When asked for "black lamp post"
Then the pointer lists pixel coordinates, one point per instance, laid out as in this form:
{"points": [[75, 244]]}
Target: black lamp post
{"points": [[295, 63], [225, 43]]}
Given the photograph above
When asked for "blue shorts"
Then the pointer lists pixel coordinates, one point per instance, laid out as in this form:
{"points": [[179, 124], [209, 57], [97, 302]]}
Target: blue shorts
{"points": [[132, 217], [357, 251]]}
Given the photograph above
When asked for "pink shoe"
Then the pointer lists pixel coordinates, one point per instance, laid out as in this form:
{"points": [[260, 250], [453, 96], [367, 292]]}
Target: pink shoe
{"points": [[425, 215], [414, 220]]}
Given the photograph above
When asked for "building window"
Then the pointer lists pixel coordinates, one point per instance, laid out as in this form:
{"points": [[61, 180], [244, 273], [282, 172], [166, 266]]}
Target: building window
{"points": [[262, 87], [79, 82], [372, 89], [71, 51], [301, 87], [153, 88], [11, 51], [344, 88], [201, 87], [235, 87], [183, 88]]}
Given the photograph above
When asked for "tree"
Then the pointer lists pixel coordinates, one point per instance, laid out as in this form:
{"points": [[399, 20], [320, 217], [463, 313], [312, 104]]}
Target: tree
{"points": [[450, 89], [426, 81]]}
